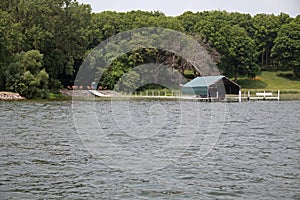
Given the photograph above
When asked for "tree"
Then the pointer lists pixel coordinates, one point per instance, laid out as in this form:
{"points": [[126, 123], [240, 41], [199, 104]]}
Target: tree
{"points": [[188, 21], [266, 27], [244, 21], [233, 42], [105, 25], [64, 31], [26, 76], [59, 29], [10, 38], [238, 52], [286, 50]]}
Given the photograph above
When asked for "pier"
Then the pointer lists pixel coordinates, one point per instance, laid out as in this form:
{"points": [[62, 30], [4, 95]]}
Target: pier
{"points": [[242, 96], [255, 96]]}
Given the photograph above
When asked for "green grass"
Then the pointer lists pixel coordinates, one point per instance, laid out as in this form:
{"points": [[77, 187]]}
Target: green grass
{"points": [[251, 84], [286, 96], [57, 96], [288, 85], [272, 81]]}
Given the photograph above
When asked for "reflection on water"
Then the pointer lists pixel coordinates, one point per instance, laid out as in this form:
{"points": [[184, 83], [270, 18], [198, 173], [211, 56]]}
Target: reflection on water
{"points": [[256, 156]]}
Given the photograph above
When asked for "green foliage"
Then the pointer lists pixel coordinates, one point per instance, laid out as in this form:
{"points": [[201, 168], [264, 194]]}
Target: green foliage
{"points": [[129, 82], [266, 27], [25, 76], [238, 52], [59, 29], [109, 23], [64, 31], [286, 51], [232, 41], [10, 37], [188, 20]]}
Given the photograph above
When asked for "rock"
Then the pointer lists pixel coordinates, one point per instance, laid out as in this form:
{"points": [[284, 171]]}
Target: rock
{"points": [[10, 96]]}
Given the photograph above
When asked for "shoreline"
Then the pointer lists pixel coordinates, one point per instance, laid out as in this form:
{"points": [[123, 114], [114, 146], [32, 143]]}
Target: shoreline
{"points": [[284, 96], [86, 95]]}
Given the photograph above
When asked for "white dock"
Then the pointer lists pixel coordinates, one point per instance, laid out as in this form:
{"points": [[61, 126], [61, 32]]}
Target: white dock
{"points": [[258, 96], [98, 94], [246, 96]]}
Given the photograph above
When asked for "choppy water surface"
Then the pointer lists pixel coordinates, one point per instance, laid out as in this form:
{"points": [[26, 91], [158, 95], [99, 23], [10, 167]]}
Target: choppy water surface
{"points": [[255, 157]]}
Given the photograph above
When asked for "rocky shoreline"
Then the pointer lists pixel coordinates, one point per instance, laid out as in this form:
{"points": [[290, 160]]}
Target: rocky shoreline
{"points": [[10, 96]]}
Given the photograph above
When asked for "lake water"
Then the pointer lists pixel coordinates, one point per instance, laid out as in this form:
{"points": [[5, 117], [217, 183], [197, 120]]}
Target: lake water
{"points": [[149, 150]]}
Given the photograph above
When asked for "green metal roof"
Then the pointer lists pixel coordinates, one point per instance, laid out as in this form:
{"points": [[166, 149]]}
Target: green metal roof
{"points": [[203, 81]]}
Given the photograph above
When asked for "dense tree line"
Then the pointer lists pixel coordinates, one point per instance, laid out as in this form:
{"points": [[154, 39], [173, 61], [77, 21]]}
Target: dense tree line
{"points": [[57, 32], [43, 42]]}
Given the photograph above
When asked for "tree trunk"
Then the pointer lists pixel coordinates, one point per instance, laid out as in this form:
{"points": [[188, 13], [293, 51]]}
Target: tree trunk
{"points": [[296, 71], [262, 58], [267, 58], [235, 74]]}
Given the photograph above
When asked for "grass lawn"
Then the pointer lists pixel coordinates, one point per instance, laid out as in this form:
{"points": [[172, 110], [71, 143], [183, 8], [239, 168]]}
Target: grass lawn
{"points": [[288, 85], [272, 81]]}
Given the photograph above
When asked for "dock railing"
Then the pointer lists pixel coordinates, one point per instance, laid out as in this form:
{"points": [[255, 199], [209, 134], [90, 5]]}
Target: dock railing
{"points": [[261, 95], [244, 95], [254, 95]]}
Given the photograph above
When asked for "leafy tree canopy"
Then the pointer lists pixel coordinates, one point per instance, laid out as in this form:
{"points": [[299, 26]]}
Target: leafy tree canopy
{"points": [[286, 50], [43, 42], [26, 76]]}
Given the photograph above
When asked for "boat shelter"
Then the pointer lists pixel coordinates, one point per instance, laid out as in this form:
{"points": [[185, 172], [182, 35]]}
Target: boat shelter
{"points": [[210, 87]]}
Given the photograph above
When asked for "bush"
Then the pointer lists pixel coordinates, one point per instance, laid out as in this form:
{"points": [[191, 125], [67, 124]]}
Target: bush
{"points": [[25, 76]]}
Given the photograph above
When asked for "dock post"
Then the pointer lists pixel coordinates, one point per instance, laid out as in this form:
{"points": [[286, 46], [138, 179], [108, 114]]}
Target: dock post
{"points": [[240, 96], [278, 97]]}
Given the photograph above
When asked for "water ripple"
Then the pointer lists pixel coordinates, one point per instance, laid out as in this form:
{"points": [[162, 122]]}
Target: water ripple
{"points": [[256, 157]]}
